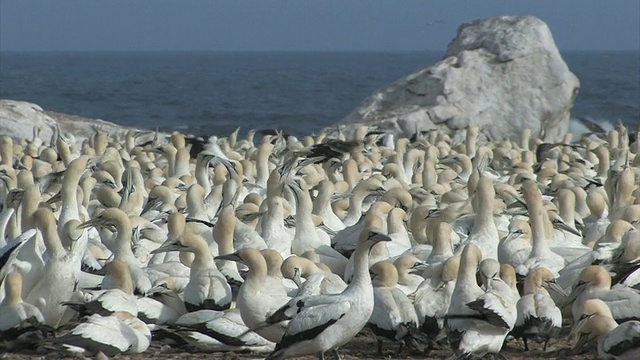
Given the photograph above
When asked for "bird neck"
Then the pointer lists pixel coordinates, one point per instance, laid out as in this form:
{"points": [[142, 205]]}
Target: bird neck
{"points": [[538, 233], [202, 256], [321, 202], [257, 273], [361, 276], [202, 175]]}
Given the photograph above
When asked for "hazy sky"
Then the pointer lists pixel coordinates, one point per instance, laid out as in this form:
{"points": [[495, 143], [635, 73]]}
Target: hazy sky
{"points": [[327, 25]]}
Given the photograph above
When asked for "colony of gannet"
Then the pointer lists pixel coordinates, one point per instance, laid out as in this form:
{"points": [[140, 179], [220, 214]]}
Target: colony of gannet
{"points": [[288, 247]]}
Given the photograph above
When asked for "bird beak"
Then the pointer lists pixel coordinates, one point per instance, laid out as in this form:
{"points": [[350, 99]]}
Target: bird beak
{"points": [[55, 198], [419, 268], [151, 203], [89, 223], [441, 285], [577, 326], [138, 134], [433, 212], [561, 225], [513, 235], [378, 237], [230, 257], [204, 222], [159, 289], [576, 332], [170, 245], [574, 294], [553, 286], [447, 160]]}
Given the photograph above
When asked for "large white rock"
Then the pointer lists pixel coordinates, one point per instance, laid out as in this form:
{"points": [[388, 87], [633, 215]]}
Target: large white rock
{"points": [[501, 74], [18, 119]]}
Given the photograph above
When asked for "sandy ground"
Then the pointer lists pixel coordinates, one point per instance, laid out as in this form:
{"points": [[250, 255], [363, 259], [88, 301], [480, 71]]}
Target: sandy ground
{"points": [[362, 347]]}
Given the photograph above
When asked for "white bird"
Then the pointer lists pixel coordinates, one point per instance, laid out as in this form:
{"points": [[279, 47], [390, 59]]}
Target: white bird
{"points": [[108, 301], [57, 281], [433, 298], [274, 272], [326, 322], [394, 316], [9, 252], [316, 280], [207, 287], [408, 267], [484, 233], [538, 316], [595, 283], [478, 322], [259, 296], [307, 237], [114, 218], [515, 248], [613, 341], [210, 330], [273, 230], [541, 254], [17, 318], [115, 334]]}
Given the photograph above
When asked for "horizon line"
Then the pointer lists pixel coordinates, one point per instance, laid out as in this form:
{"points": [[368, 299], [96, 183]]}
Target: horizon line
{"points": [[275, 51]]}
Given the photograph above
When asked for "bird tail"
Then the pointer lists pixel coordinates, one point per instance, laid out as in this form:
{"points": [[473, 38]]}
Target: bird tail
{"points": [[276, 355], [78, 307], [416, 340]]}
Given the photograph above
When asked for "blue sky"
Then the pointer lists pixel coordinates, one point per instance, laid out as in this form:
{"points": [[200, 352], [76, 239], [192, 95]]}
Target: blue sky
{"points": [[329, 25]]}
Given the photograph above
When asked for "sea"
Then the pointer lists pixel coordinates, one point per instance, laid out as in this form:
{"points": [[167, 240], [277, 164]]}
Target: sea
{"points": [[300, 93]]}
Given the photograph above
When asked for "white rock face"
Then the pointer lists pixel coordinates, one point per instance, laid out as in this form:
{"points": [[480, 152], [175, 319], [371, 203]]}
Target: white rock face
{"points": [[18, 119], [501, 74]]}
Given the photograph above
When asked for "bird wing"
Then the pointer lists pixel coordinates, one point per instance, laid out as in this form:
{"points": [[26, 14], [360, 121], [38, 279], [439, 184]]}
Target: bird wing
{"points": [[117, 300], [623, 338], [197, 317], [385, 313], [296, 305], [98, 333], [312, 321], [547, 310], [526, 308], [9, 252], [493, 311], [405, 307], [623, 301]]}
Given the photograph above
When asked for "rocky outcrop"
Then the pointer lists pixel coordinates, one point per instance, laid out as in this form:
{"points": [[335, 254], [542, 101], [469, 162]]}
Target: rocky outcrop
{"points": [[18, 119], [500, 74]]}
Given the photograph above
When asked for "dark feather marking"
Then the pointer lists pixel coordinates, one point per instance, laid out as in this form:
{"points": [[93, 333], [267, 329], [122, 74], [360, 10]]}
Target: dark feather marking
{"points": [[305, 335], [223, 338], [430, 326], [161, 333], [625, 346], [206, 305], [7, 254], [622, 271], [87, 309], [488, 315], [454, 337], [90, 345], [540, 330]]}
